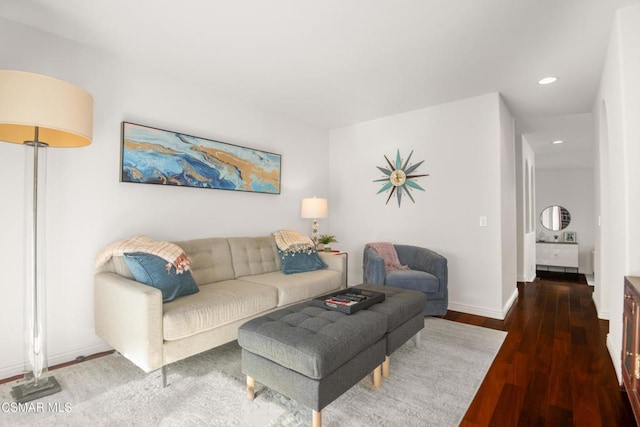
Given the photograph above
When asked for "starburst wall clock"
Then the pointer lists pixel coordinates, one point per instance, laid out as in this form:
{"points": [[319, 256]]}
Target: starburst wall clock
{"points": [[399, 178]]}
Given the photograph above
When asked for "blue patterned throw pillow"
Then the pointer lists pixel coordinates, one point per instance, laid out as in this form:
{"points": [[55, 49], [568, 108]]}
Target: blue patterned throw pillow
{"points": [[151, 270], [300, 261]]}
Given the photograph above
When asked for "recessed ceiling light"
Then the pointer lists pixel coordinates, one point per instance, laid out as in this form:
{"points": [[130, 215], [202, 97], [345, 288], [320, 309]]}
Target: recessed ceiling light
{"points": [[558, 141], [547, 80]]}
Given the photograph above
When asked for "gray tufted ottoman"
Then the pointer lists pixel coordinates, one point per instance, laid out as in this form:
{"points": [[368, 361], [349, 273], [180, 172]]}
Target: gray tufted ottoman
{"points": [[312, 355], [404, 309]]}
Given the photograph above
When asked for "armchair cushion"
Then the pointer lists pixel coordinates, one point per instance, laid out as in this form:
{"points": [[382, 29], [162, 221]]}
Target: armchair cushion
{"points": [[412, 279]]}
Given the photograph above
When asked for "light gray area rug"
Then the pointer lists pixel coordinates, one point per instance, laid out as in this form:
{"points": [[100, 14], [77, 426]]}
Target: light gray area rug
{"points": [[432, 385]]}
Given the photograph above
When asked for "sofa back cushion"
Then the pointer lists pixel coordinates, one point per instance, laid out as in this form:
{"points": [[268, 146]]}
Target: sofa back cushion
{"points": [[254, 255], [210, 259]]}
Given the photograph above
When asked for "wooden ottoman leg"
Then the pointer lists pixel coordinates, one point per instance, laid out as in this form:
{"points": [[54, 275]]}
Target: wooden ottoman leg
{"points": [[251, 387], [386, 365], [377, 376], [317, 419]]}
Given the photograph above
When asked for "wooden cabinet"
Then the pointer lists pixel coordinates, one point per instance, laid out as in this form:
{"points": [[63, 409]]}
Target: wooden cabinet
{"points": [[631, 343], [557, 254]]}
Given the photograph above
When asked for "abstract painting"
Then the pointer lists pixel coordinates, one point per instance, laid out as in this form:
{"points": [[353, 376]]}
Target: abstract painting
{"points": [[157, 156]]}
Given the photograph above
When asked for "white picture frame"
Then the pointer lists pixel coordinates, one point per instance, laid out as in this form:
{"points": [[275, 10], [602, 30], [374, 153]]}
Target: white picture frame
{"points": [[570, 237]]}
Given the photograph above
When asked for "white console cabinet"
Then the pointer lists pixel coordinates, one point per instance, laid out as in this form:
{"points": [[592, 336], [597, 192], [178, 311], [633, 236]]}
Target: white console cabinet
{"points": [[554, 254]]}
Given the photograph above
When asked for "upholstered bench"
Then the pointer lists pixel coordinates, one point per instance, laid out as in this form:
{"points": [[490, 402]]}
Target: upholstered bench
{"points": [[404, 309], [312, 355]]}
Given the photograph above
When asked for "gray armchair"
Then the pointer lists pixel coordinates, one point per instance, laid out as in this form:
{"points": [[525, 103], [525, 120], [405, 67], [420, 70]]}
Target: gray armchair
{"points": [[427, 273]]}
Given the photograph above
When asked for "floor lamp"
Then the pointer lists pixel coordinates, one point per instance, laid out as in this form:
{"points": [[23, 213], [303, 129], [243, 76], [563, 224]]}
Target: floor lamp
{"points": [[39, 112], [315, 208]]}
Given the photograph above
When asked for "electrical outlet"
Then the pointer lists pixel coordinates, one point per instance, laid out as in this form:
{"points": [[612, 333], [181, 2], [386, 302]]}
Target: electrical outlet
{"points": [[483, 221]]}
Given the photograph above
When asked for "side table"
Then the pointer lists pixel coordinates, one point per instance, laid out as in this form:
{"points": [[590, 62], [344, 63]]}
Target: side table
{"points": [[346, 265]]}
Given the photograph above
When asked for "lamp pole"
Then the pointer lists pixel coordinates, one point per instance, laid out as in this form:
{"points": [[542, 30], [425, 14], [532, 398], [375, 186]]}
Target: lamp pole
{"points": [[38, 383]]}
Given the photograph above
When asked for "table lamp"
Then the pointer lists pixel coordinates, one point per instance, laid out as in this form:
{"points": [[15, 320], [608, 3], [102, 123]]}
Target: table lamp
{"points": [[314, 208]]}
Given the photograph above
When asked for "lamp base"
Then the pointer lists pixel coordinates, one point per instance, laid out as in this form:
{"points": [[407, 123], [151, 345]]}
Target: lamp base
{"points": [[314, 231], [30, 391]]}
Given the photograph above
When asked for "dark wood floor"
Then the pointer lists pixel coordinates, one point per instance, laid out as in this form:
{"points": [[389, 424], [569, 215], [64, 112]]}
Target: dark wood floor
{"points": [[554, 368]]}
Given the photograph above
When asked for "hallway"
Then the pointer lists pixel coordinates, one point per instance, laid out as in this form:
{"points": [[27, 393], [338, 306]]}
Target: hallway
{"points": [[554, 368]]}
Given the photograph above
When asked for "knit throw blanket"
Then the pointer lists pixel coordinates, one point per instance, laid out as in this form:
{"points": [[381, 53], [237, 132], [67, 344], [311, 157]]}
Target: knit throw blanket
{"points": [[170, 252], [388, 252], [289, 241]]}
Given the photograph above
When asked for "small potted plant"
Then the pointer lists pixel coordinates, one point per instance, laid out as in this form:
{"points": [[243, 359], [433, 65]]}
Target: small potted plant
{"points": [[324, 240]]}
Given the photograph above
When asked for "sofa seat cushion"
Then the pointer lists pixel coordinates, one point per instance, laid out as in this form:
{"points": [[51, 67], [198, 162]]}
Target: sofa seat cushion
{"points": [[412, 279], [299, 287], [215, 305]]}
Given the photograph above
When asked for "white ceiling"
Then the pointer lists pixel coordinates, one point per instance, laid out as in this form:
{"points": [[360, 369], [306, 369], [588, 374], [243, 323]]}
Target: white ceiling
{"points": [[331, 63]]}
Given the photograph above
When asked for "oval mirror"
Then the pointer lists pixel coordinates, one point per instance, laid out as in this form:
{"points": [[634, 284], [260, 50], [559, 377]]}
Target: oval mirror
{"points": [[555, 218]]}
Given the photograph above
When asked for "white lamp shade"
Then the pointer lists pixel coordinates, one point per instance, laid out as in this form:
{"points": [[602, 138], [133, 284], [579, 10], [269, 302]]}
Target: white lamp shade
{"points": [[314, 208], [62, 112]]}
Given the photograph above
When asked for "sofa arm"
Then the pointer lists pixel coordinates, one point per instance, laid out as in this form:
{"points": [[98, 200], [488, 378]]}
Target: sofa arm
{"points": [[336, 262], [128, 316], [423, 259], [373, 267]]}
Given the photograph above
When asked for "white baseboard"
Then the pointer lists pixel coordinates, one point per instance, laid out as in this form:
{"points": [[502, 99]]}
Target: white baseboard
{"points": [[17, 368], [602, 314], [614, 353], [521, 278], [509, 303], [478, 311], [483, 311]]}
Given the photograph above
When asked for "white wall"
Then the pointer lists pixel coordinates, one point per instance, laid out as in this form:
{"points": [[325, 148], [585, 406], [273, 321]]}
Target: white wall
{"points": [[617, 108], [572, 189], [468, 147], [462, 144], [601, 179], [87, 206], [526, 209], [509, 246]]}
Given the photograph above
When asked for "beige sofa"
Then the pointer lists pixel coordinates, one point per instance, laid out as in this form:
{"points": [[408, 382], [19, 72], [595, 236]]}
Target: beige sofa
{"points": [[238, 279]]}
